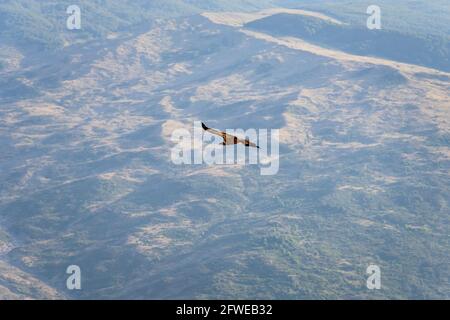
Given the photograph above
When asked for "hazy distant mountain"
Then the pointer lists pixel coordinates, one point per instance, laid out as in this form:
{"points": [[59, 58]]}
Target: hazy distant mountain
{"points": [[431, 51], [44, 22], [86, 176], [406, 16]]}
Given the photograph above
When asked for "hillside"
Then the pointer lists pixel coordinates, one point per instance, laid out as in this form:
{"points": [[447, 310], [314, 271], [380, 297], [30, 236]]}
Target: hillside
{"points": [[414, 17], [87, 177], [43, 23], [432, 52]]}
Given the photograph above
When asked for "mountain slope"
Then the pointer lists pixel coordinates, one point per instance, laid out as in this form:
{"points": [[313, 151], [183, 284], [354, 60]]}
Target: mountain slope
{"points": [[430, 52], [43, 23], [88, 178]]}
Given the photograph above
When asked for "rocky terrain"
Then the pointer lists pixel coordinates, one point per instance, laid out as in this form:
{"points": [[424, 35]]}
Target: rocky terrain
{"points": [[86, 176]]}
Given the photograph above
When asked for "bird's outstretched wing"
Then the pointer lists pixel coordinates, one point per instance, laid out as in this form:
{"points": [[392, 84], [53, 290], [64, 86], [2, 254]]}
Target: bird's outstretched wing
{"points": [[228, 138], [214, 131], [249, 143]]}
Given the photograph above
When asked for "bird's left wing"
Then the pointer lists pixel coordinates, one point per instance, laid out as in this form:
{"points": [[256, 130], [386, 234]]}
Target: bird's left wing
{"points": [[214, 131]]}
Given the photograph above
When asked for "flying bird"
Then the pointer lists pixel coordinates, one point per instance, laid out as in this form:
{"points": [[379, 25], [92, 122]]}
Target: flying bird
{"points": [[228, 138]]}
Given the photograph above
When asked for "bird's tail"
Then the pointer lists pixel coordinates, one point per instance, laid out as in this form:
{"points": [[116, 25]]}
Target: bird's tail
{"points": [[204, 127]]}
